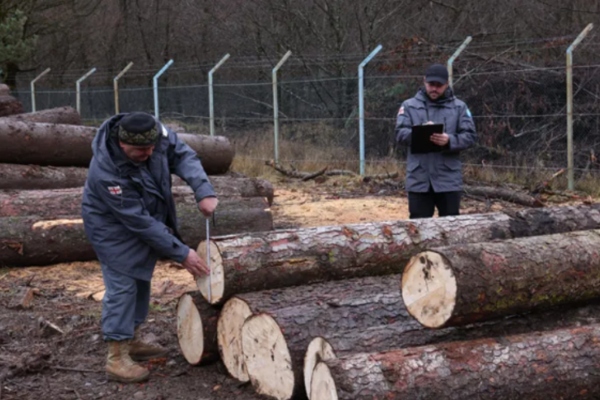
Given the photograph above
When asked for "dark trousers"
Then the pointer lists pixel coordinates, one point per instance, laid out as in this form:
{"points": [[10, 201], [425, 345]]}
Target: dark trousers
{"points": [[422, 205]]}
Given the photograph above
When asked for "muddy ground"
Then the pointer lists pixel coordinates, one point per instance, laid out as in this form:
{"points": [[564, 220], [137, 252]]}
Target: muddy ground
{"points": [[37, 362]]}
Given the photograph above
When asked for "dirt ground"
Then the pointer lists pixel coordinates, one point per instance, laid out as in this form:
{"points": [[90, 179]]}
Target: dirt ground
{"points": [[37, 362]]}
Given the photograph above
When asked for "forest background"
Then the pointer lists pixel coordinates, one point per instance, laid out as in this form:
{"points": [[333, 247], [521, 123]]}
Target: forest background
{"points": [[512, 75]]}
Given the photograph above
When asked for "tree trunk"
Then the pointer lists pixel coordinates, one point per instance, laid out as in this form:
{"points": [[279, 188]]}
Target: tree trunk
{"points": [[24, 142], [504, 194], [9, 105], [305, 311], [52, 203], [461, 284], [560, 364], [197, 329], [60, 115], [31, 240], [30, 177], [247, 263]]}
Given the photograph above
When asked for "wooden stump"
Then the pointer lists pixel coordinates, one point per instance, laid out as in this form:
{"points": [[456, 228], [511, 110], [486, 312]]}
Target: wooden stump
{"points": [[559, 364], [462, 284], [197, 329]]}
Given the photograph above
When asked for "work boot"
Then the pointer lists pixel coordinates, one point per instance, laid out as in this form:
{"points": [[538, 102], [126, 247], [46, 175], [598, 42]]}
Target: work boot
{"points": [[142, 351], [119, 365]]}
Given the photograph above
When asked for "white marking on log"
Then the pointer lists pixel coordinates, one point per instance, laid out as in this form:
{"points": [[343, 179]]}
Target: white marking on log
{"points": [[317, 350], [217, 280]]}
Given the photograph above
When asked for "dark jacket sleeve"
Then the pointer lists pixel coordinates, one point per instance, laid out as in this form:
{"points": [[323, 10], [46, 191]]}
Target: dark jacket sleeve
{"points": [[128, 209], [465, 136], [403, 125], [184, 162]]}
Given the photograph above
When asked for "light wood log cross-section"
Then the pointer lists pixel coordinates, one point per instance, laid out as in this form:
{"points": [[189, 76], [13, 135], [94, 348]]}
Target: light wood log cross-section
{"points": [[461, 284]]}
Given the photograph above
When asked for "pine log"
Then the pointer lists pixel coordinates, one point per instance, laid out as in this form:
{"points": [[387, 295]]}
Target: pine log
{"points": [[504, 194], [268, 260], [60, 115], [461, 284], [31, 177], [23, 142], [47, 203], [27, 241], [559, 364], [197, 329], [10, 105]]}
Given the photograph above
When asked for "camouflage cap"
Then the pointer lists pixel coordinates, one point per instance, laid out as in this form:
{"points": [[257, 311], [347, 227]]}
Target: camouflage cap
{"points": [[138, 129]]}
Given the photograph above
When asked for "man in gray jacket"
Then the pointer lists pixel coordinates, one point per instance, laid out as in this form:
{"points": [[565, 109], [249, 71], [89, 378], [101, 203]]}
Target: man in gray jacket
{"points": [[129, 217], [434, 180]]}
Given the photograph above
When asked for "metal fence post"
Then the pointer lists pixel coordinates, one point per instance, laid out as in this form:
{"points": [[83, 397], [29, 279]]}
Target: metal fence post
{"points": [[276, 105], [454, 56], [361, 107], [570, 163], [211, 100], [33, 88], [116, 85], [155, 86], [78, 88]]}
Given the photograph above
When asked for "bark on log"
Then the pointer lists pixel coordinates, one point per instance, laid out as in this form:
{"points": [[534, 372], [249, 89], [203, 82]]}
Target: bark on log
{"points": [[504, 194], [246, 263], [31, 177], [69, 145], [27, 241], [49, 203], [60, 115], [560, 364], [197, 329], [9, 105], [461, 284]]}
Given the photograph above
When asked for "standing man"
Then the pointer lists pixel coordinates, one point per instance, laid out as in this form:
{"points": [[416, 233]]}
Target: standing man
{"points": [[434, 180], [129, 217]]}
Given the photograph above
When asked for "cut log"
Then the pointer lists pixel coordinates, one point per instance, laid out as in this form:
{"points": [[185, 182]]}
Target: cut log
{"points": [[27, 241], [503, 194], [23, 142], [10, 105], [52, 203], [60, 115], [243, 187], [560, 364], [267, 260], [462, 284], [197, 329], [306, 311], [29, 177]]}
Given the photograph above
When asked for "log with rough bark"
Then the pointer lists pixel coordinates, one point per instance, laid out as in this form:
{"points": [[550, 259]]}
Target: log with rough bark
{"points": [[560, 364], [268, 260], [306, 311], [23, 142], [47, 203], [461, 284], [197, 329], [31, 177], [10, 105], [27, 241], [503, 194], [60, 115]]}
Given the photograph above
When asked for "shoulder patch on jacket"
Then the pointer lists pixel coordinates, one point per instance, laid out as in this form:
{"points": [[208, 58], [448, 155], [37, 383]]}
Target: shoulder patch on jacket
{"points": [[468, 112], [401, 110]]}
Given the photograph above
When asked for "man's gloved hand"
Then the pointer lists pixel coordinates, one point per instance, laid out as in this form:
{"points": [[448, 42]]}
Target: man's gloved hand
{"points": [[195, 265], [208, 205]]}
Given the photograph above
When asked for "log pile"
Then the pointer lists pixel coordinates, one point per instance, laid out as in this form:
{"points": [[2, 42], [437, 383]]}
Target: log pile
{"points": [[42, 160], [492, 306]]}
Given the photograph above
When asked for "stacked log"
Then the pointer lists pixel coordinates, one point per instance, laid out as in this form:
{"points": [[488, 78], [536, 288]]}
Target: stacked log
{"points": [[558, 364], [267, 260], [9, 105], [26, 142], [59, 115]]}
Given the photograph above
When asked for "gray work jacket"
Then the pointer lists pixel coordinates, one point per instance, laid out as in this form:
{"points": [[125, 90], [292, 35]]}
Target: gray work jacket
{"points": [[440, 171], [128, 209]]}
